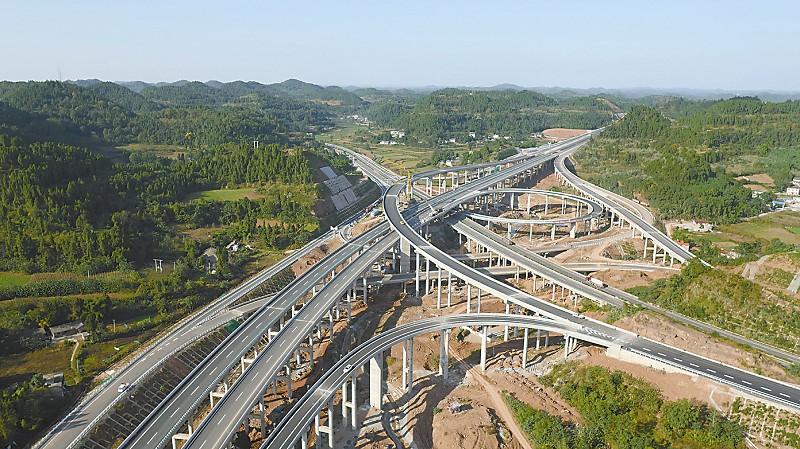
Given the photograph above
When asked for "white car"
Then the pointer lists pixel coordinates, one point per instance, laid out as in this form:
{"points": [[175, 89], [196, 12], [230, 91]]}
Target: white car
{"points": [[122, 387], [347, 368]]}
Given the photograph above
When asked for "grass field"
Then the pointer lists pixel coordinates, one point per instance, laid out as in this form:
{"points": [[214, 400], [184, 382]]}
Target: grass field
{"points": [[225, 194], [170, 151], [781, 225], [9, 279], [19, 368]]}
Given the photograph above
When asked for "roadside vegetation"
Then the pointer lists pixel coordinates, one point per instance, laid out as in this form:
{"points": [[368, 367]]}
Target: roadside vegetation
{"points": [[621, 411], [727, 300]]}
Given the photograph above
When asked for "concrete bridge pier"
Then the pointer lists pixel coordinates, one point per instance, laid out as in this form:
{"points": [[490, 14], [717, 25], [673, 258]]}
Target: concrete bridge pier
{"points": [[444, 353], [376, 381], [327, 429], [439, 288], [405, 256], [349, 402], [525, 347], [484, 337], [449, 288], [219, 393], [408, 365]]}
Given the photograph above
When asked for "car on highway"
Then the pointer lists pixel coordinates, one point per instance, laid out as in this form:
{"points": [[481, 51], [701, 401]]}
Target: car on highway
{"points": [[347, 368], [122, 387]]}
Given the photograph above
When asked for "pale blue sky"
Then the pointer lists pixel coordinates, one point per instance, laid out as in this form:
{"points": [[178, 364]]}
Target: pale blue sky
{"points": [[575, 43]]}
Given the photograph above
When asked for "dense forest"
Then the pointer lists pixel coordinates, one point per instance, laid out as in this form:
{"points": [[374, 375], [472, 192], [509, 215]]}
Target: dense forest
{"points": [[454, 113], [681, 156]]}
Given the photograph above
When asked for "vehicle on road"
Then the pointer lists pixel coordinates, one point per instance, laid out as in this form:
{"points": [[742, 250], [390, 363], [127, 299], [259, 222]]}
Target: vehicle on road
{"points": [[347, 368], [122, 387], [596, 282]]}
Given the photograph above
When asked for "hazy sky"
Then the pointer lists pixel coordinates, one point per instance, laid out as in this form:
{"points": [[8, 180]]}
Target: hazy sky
{"points": [[692, 44]]}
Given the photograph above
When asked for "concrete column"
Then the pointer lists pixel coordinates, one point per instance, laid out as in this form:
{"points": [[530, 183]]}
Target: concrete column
{"points": [[365, 291], [444, 356], [449, 288], [508, 312], [405, 256], [525, 348], [408, 365], [427, 275], [439, 289], [376, 381], [538, 338], [484, 334], [479, 300], [416, 276]]}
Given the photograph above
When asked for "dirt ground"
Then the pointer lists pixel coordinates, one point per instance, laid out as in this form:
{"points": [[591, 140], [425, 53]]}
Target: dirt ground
{"points": [[315, 256], [562, 133], [760, 178]]}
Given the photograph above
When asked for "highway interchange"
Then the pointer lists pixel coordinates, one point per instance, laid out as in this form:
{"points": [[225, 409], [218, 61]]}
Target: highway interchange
{"points": [[354, 259]]}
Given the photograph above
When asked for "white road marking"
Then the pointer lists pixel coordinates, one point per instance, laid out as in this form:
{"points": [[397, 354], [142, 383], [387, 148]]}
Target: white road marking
{"points": [[746, 382], [692, 364], [711, 370], [195, 389], [223, 417], [647, 350], [173, 414], [661, 354], [151, 438], [677, 359], [240, 395], [766, 389], [784, 395], [728, 376]]}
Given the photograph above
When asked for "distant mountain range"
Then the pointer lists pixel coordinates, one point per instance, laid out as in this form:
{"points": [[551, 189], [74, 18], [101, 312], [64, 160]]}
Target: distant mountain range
{"points": [[341, 95]]}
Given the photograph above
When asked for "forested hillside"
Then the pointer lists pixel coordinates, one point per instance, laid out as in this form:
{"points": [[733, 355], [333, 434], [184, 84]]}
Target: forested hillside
{"points": [[455, 113], [194, 115], [68, 209], [681, 156]]}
